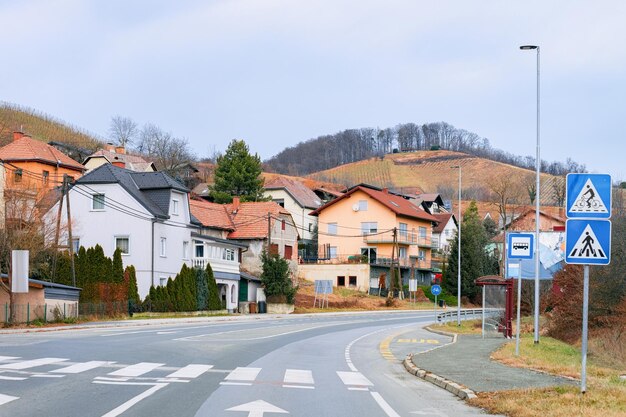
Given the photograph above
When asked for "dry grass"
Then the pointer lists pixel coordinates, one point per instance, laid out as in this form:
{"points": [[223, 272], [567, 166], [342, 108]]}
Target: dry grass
{"points": [[345, 299], [606, 393], [466, 327]]}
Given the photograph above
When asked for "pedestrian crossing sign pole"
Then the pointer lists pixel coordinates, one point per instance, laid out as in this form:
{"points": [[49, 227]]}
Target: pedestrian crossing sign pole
{"points": [[587, 236]]}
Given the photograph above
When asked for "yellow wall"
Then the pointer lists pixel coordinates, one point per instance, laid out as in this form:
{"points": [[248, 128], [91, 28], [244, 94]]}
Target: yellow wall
{"points": [[349, 224]]}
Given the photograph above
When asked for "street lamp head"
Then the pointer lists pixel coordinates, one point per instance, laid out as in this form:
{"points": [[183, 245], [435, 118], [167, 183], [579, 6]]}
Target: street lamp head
{"points": [[528, 47]]}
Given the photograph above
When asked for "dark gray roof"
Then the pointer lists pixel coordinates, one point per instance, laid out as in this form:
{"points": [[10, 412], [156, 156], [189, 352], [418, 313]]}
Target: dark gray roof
{"points": [[150, 189], [219, 240]]}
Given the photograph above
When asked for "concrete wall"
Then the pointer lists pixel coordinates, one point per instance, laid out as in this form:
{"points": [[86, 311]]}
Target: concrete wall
{"points": [[312, 272]]}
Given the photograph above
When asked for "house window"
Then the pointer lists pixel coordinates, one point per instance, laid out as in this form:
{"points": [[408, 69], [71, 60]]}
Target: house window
{"points": [[274, 249], [422, 255], [175, 207], [368, 228], [97, 202], [280, 202], [341, 281], [75, 244], [282, 225], [370, 253], [422, 231], [332, 228], [185, 250], [310, 227], [352, 281], [362, 205], [44, 177], [404, 233], [163, 247], [402, 253], [18, 175], [333, 252], [123, 244], [199, 250], [228, 255], [288, 252], [163, 281]]}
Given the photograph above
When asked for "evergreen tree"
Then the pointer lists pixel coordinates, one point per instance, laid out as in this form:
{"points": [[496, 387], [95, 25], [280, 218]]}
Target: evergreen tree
{"points": [[275, 278], [117, 267], [237, 174], [475, 261], [133, 291], [202, 289], [214, 302]]}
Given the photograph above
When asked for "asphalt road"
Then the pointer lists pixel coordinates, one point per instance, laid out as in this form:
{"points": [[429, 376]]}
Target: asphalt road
{"points": [[314, 365]]}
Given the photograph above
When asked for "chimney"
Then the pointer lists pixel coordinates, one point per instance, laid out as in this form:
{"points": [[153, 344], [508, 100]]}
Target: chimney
{"points": [[119, 163], [109, 147], [17, 135], [120, 149], [235, 204], [386, 190]]}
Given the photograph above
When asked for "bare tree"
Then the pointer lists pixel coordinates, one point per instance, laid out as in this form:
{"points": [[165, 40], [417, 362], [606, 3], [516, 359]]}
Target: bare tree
{"points": [[123, 130], [169, 153], [530, 184], [506, 192], [559, 187]]}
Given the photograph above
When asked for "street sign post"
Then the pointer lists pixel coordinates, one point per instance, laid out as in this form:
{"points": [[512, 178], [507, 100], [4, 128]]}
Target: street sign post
{"points": [[587, 236], [521, 246], [435, 290]]}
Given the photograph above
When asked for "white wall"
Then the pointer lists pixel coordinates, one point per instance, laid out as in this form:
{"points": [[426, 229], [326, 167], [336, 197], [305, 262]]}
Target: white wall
{"points": [[300, 214], [135, 222], [312, 272], [447, 235]]}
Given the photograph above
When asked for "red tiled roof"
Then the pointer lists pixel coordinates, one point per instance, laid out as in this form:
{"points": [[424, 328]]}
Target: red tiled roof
{"points": [[211, 214], [443, 219], [28, 149], [302, 194], [251, 219], [395, 203]]}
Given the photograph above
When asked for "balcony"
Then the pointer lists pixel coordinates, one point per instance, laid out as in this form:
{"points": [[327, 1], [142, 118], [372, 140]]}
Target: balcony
{"points": [[362, 259], [403, 238]]}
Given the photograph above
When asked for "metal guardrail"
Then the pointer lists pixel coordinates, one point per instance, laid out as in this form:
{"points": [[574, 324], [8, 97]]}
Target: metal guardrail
{"points": [[467, 314]]}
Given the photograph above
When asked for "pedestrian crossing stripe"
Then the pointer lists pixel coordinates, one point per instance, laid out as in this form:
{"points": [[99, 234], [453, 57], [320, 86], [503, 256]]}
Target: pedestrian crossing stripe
{"points": [[587, 246], [588, 200]]}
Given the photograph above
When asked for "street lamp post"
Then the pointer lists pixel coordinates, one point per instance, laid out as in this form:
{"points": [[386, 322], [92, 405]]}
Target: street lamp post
{"points": [[458, 293], [537, 197]]}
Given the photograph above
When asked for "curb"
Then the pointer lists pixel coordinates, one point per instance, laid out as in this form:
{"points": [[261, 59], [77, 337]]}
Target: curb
{"points": [[459, 390]]}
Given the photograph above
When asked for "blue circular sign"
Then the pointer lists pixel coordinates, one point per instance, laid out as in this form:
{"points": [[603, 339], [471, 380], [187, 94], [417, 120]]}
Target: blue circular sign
{"points": [[435, 289]]}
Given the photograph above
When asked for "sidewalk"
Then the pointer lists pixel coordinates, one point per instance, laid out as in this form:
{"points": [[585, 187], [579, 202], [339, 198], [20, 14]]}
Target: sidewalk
{"points": [[467, 362]]}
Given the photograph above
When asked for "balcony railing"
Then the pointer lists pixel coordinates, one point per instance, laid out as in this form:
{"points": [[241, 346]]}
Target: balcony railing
{"points": [[403, 238], [362, 259]]}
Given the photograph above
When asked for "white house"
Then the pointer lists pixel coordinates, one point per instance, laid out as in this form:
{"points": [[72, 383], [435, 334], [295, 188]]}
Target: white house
{"points": [[147, 216], [444, 231], [298, 200]]}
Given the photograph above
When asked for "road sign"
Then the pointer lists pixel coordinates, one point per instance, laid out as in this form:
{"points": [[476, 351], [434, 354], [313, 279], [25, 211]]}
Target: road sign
{"points": [[520, 245], [588, 196], [412, 284], [588, 242], [435, 290]]}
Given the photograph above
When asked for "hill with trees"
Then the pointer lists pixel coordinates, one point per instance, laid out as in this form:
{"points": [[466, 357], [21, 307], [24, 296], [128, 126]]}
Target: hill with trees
{"points": [[353, 145], [43, 127]]}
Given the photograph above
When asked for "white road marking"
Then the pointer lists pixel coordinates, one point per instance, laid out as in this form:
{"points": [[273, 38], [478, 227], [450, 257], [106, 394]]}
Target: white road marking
{"points": [[298, 376], [7, 398], [32, 363], [258, 408], [384, 405], [243, 374], [298, 386], [81, 367], [191, 338], [354, 378], [12, 378], [47, 376], [190, 371], [8, 358], [119, 410], [357, 389], [247, 384], [172, 332], [104, 378], [136, 369]]}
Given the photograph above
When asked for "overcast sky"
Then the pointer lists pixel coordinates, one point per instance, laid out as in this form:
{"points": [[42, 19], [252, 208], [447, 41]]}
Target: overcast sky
{"points": [[275, 73]]}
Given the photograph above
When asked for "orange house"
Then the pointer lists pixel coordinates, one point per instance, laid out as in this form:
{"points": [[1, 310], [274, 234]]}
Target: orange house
{"points": [[364, 230], [30, 169]]}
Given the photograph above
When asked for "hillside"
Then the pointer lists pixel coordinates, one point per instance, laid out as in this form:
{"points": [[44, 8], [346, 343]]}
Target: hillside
{"points": [[431, 172], [43, 127]]}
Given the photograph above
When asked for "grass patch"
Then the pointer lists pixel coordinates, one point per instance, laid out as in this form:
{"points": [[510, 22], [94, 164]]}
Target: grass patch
{"points": [[466, 327], [605, 396]]}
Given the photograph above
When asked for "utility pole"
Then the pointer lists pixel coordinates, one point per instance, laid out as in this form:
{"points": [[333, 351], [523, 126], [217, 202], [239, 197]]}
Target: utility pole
{"points": [[56, 234], [269, 233], [70, 241], [392, 269]]}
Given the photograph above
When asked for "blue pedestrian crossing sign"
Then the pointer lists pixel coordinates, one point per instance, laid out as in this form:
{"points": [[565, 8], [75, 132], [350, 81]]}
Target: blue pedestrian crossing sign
{"points": [[588, 242], [435, 289], [520, 245], [588, 196]]}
